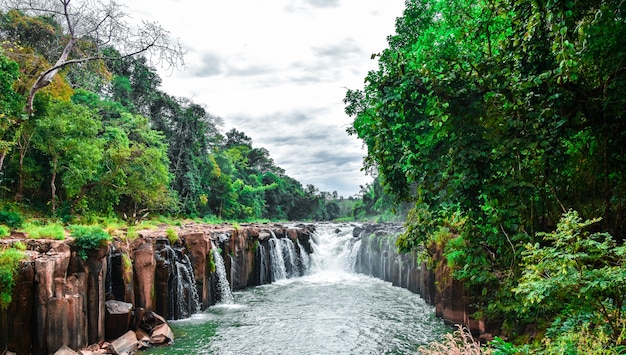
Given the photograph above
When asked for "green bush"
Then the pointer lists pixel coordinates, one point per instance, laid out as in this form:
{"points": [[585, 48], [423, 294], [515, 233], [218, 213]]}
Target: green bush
{"points": [[576, 277], [9, 262], [4, 231], [88, 238], [11, 218]]}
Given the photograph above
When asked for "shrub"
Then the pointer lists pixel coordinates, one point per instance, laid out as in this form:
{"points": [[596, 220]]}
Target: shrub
{"points": [[576, 277], [4, 231], [89, 238], [11, 218], [9, 262], [460, 342]]}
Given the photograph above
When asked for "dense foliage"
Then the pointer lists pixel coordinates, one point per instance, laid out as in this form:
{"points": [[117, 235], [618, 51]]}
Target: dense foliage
{"points": [[89, 238], [9, 262], [103, 139], [495, 118]]}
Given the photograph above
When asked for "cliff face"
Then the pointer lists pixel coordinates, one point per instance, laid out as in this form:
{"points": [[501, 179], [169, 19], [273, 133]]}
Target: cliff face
{"points": [[378, 257], [61, 300]]}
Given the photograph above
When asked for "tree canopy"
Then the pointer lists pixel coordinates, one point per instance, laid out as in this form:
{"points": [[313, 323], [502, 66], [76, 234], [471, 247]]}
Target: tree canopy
{"points": [[495, 118], [94, 134]]}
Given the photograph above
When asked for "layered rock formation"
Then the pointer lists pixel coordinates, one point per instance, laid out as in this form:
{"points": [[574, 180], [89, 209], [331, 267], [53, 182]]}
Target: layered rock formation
{"points": [[60, 299], [378, 256]]}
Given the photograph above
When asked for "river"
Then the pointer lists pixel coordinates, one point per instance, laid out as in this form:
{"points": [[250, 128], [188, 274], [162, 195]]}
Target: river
{"points": [[330, 311]]}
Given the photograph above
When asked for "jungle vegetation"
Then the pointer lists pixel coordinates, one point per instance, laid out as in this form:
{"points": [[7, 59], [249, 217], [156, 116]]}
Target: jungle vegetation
{"points": [[86, 131], [503, 123]]}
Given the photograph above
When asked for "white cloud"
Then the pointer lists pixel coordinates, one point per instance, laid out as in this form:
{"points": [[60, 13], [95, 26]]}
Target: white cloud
{"points": [[278, 71]]}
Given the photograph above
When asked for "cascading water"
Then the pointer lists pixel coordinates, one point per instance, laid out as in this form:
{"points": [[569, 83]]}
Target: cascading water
{"points": [[330, 310], [263, 268], [290, 257], [188, 299], [183, 299], [277, 260], [225, 294], [304, 260]]}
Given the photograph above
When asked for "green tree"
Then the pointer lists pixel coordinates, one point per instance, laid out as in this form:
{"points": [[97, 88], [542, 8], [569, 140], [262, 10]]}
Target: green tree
{"points": [[506, 113], [576, 274], [67, 134], [135, 166], [11, 106], [90, 27]]}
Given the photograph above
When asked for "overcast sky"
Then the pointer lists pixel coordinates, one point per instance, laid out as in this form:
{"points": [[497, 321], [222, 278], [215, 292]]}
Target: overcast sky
{"points": [[278, 71]]}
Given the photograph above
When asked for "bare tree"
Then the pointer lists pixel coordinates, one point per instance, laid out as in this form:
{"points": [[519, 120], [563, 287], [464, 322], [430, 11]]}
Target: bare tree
{"points": [[102, 23]]}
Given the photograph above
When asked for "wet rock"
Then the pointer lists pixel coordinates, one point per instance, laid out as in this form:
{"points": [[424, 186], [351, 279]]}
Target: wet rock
{"points": [[143, 338], [161, 335]]}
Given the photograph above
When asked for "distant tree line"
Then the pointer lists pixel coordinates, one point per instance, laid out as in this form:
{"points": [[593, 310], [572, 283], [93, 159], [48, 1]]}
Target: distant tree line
{"points": [[100, 137]]}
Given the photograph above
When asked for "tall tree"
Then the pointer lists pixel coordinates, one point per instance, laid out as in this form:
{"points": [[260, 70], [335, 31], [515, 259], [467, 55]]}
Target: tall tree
{"points": [[91, 26], [11, 105], [67, 134]]}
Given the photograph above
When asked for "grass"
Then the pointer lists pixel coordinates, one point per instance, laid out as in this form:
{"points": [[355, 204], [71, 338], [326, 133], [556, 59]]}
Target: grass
{"points": [[460, 342], [51, 230], [172, 235]]}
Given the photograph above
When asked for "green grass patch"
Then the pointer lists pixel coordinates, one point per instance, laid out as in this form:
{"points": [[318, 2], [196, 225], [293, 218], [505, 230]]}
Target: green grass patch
{"points": [[35, 230], [172, 235], [4, 231]]}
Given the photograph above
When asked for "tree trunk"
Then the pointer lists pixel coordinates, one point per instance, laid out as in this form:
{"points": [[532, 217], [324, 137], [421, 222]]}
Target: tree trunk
{"points": [[53, 185], [3, 154], [45, 78]]}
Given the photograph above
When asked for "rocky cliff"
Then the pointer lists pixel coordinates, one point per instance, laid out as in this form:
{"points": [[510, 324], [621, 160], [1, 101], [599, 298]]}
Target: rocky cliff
{"points": [[62, 301], [378, 256]]}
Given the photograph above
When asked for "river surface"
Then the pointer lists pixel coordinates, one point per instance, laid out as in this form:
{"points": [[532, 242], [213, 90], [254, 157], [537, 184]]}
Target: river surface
{"points": [[329, 311]]}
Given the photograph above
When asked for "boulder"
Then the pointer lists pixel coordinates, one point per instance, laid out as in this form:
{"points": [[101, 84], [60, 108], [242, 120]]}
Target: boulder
{"points": [[161, 335], [117, 318], [64, 350], [127, 343]]}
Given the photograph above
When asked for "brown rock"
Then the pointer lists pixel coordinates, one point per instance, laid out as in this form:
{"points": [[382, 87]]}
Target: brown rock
{"points": [[127, 343], [162, 334], [143, 269], [117, 319], [64, 350]]}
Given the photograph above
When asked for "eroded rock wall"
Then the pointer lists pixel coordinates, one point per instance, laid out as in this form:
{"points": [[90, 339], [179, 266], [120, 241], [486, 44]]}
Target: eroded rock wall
{"points": [[378, 257], [59, 298]]}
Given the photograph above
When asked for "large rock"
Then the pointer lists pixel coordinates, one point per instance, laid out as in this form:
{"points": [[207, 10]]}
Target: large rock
{"points": [[117, 319], [144, 267], [126, 344]]}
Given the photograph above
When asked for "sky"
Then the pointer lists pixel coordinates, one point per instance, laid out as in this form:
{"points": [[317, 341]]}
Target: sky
{"points": [[278, 71]]}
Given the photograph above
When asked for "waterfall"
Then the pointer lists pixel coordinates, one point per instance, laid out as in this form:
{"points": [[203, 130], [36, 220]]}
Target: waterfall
{"points": [[279, 271], [304, 260], [334, 248], [109, 276], [185, 287], [262, 264], [291, 258], [226, 295]]}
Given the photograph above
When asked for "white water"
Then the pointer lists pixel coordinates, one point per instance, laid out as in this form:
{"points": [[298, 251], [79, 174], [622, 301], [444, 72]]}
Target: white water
{"points": [[226, 296], [330, 311]]}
